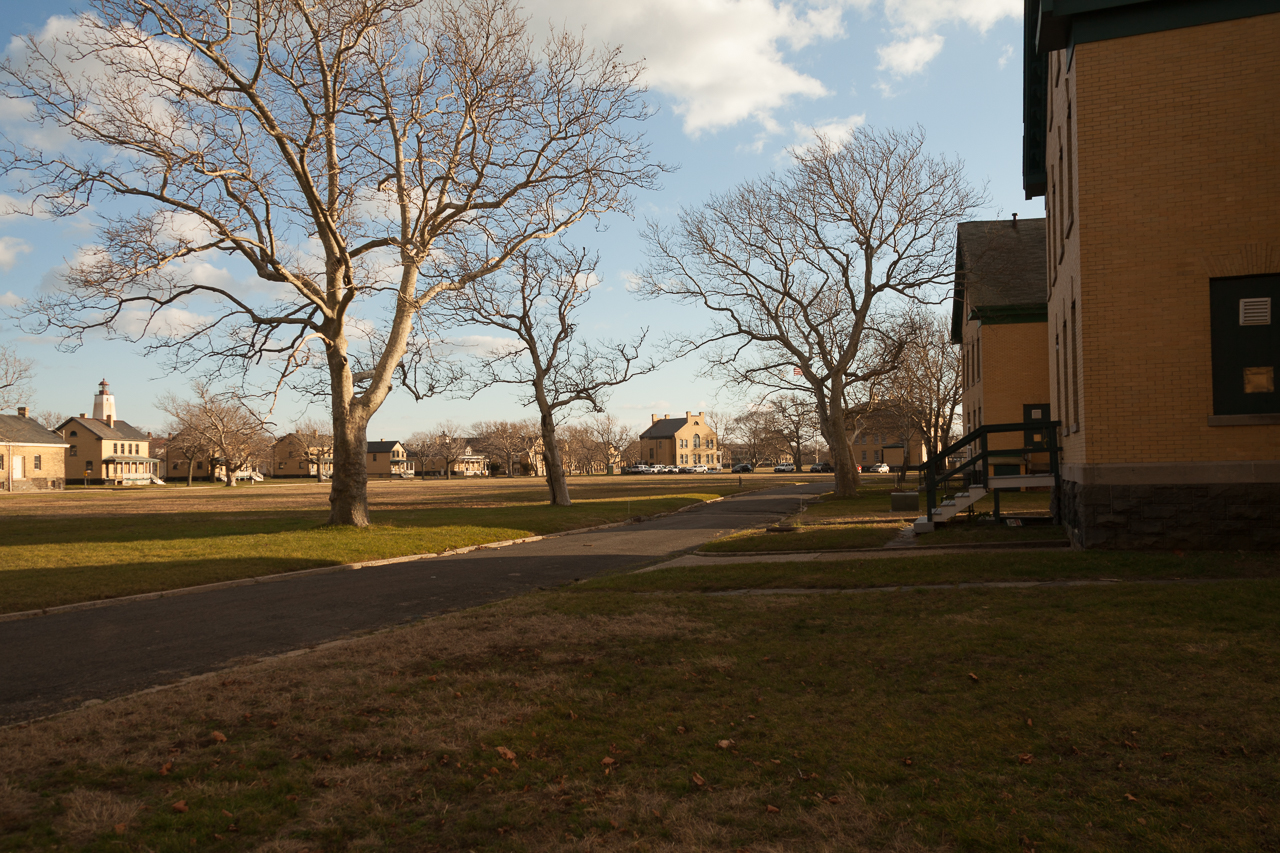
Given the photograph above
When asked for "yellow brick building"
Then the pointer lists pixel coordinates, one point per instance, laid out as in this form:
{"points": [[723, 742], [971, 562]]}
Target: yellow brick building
{"points": [[680, 441], [106, 450], [999, 321], [31, 457], [1151, 131]]}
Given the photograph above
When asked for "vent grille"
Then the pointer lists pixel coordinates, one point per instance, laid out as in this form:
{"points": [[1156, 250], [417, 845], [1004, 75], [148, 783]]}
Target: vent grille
{"points": [[1255, 312]]}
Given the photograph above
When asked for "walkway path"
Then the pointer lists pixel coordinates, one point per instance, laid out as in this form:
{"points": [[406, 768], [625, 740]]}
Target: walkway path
{"points": [[60, 660]]}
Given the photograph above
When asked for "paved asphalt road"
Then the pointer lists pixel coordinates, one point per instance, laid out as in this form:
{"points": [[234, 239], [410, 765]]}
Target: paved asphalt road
{"points": [[58, 661]]}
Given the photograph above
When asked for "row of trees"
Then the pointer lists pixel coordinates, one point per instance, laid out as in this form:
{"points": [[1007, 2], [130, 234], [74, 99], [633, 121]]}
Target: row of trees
{"points": [[375, 169]]}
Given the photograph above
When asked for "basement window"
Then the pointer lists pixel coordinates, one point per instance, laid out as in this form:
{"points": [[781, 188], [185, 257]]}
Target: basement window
{"points": [[1259, 380]]}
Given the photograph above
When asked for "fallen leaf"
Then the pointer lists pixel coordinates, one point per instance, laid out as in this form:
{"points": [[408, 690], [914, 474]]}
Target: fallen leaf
{"points": [[606, 761], [227, 813], [1142, 821], [180, 806], [457, 695], [613, 823], [724, 744], [698, 780], [679, 729], [120, 828], [1026, 758], [506, 753], [164, 771], [974, 677], [1028, 721], [771, 809], [655, 814], [293, 798], [835, 801], [906, 761], [219, 737], [432, 678], [1131, 798]]}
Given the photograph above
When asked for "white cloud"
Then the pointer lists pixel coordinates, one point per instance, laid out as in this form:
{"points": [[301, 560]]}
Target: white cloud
{"points": [[10, 300], [909, 56], [1006, 56], [915, 25], [632, 282], [837, 130], [10, 249], [722, 61]]}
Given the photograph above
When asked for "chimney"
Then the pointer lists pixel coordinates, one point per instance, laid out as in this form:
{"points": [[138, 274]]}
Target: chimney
{"points": [[688, 415], [22, 411], [111, 420], [1015, 222], [666, 417], [83, 415], [655, 419]]}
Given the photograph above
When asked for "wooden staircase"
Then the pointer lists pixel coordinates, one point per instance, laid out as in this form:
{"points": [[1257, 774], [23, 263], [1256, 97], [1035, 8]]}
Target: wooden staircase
{"points": [[949, 509]]}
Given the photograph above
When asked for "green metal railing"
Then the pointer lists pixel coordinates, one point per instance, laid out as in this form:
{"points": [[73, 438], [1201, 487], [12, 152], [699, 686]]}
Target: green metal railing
{"points": [[973, 470]]}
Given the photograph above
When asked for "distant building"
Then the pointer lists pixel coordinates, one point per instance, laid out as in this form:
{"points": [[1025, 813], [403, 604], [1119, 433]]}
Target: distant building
{"points": [[301, 454], [881, 435], [680, 441], [32, 458], [387, 459], [106, 450]]}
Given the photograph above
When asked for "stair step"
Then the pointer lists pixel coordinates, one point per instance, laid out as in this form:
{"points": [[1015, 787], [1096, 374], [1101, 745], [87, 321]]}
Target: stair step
{"points": [[1015, 481]]}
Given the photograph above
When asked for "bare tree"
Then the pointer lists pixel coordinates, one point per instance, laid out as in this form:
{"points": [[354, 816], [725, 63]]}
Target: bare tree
{"points": [[15, 378], [190, 445], [612, 437], [796, 422], [802, 270], [926, 388], [357, 157], [506, 440], [757, 436], [314, 445], [448, 444], [223, 425], [50, 419], [420, 446], [535, 300]]}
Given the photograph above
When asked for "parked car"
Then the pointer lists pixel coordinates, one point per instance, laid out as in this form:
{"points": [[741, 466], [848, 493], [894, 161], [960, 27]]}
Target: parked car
{"points": [[880, 469], [742, 468], [699, 469], [821, 468], [785, 468]]}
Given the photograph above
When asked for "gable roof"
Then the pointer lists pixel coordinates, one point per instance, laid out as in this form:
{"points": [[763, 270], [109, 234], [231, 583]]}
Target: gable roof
{"points": [[19, 429], [665, 428], [118, 431], [1001, 267], [382, 446]]}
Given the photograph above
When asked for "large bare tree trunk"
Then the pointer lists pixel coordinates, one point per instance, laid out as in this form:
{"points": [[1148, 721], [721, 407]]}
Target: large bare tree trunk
{"points": [[832, 421], [349, 483], [555, 466]]}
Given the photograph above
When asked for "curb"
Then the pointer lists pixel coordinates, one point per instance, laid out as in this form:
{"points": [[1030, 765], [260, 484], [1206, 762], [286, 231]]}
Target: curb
{"points": [[959, 546], [325, 570]]}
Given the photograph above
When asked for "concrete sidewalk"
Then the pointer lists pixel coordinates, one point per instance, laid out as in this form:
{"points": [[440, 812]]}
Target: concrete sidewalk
{"points": [[60, 660]]}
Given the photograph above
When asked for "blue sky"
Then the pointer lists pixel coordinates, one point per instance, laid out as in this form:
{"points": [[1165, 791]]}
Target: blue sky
{"points": [[736, 82]]}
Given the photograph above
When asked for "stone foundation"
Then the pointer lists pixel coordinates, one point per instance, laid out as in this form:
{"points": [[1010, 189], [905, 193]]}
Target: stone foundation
{"points": [[33, 484], [1222, 517]]}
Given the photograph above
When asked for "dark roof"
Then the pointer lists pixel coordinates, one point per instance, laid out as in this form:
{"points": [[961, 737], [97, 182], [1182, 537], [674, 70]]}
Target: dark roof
{"points": [[119, 431], [23, 430], [382, 446], [665, 428], [1000, 265]]}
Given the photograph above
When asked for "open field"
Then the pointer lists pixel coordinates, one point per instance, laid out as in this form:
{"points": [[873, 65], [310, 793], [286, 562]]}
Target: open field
{"points": [[631, 713], [95, 544]]}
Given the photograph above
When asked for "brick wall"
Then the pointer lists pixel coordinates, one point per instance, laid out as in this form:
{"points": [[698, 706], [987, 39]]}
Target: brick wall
{"points": [[1176, 143]]}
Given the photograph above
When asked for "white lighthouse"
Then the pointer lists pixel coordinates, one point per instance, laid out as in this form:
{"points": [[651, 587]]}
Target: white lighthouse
{"points": [[104, 404]]}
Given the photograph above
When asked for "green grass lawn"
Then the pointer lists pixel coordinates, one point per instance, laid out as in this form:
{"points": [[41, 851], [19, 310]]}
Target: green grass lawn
{"points": [[1127, 717], [986, 531], [825, 538], [47, 561]]}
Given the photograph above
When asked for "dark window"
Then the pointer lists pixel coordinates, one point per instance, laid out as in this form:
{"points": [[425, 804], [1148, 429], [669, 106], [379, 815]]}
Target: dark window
{"points": [[1246, 344], [35, 463], [73, 450], [199, 466], [73, 433]]}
